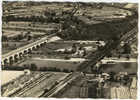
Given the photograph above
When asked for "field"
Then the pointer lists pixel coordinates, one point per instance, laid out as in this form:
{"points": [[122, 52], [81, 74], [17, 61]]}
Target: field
{"points": [[9, 46], [21, 33], [70, 64], [52, 47], [105, 12], [48, 56], [7, 76]]}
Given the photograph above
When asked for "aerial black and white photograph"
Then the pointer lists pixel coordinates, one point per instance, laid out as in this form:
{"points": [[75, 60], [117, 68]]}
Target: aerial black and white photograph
{"points": [[69, 50]]}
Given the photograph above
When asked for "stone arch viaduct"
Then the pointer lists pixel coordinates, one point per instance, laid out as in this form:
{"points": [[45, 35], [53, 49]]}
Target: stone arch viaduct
{"points": [[17, 54]]}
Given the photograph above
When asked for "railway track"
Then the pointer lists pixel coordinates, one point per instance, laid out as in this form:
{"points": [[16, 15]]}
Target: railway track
{"points": [[30, 86], [130, 38], [61, 85], [130, 34]]}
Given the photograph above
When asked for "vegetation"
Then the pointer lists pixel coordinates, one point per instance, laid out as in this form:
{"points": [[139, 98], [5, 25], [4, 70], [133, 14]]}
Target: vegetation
{"points": [[76, 29], [4, 38], [54, 69], [34, 67], [127, 48]]}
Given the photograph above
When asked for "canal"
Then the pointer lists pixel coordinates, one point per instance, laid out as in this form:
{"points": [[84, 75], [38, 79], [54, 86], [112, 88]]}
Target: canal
{"points": [[129, 67]]}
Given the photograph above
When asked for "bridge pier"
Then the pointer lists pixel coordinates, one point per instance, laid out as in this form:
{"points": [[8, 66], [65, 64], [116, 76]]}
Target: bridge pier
{"points": [[20, 56], [2, 65], [34, 48], [29, 51], [42, 44], [37, 46], [5, 62], [25, 52]]}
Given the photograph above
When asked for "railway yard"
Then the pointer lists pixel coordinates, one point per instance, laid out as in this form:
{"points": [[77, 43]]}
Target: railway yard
{"points": [[69, 50]]}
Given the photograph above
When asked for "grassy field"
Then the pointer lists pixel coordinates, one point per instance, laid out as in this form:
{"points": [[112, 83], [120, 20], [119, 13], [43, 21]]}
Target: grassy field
{"points": [[9, 46], [56, 63], [104, 12], [48, 57]]}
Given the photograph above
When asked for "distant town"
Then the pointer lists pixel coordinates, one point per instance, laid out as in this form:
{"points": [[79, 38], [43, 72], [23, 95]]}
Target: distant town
{"points": [[69, 50]]}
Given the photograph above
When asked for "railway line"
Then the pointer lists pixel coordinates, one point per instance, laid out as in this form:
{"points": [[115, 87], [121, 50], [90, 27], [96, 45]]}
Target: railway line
{"points": [[129, 34], [29, 86], [52, 90], [61, 85], [130, 37]]}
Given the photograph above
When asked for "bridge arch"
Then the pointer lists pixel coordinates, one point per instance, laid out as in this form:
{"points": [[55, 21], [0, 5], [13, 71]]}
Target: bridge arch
{"points": [[16, 57], [42, 44], [25, 52], [5, 62], [34, 48], [37, 46], [11, 60], [29, 50]]}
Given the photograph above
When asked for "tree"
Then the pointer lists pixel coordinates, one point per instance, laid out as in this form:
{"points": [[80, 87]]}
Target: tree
{"points": [[43, 68], [29, 38], [66, 70], [127, 48], [33, 67], [4, 38]]}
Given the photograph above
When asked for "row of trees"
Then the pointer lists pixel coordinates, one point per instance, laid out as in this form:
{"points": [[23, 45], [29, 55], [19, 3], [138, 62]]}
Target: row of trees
{"points": [[34, 67], [49, 17]]}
